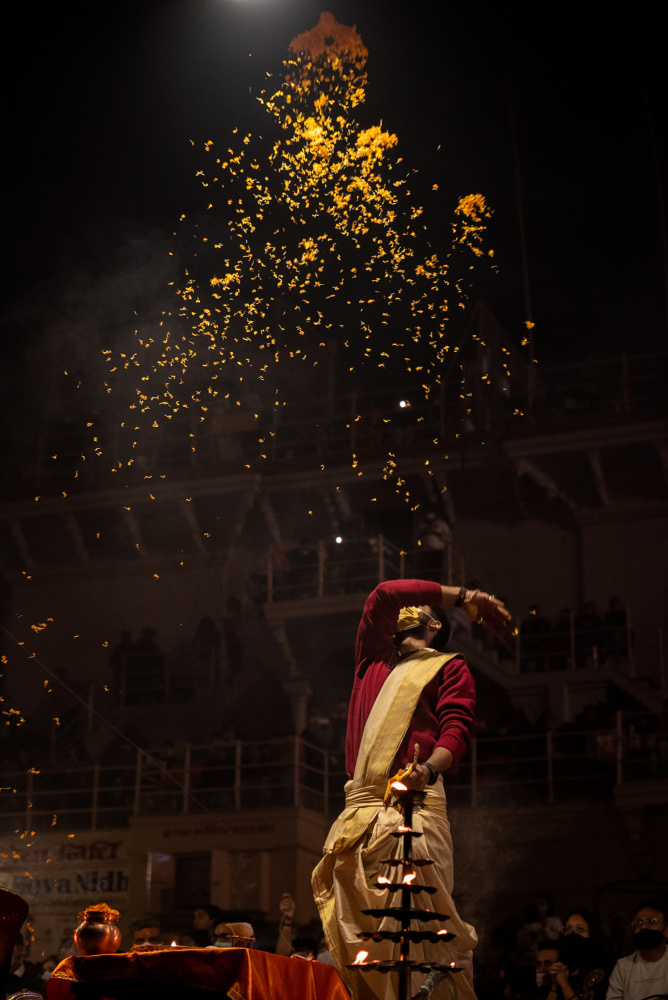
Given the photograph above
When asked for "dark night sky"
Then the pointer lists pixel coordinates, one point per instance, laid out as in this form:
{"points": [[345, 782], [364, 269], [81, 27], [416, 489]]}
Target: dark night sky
{"points": [[107, 97]]}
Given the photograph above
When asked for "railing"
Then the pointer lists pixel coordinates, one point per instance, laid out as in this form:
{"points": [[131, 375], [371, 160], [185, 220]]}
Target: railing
{"points": [[345, 566], [569, 646], [227, 777], [636, 651], [201, 779], [327, 569], [329, 427]]}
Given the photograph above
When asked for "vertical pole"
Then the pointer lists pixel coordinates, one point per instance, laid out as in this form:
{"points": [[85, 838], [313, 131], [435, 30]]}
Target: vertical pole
{"points": [[138, 766], [619, 777], [186, 780], [406, 904], [550, 766], [381, 559], [237, 774], [321, 567], [474, 773], [295, 771], [572, 640], [96, 794]]}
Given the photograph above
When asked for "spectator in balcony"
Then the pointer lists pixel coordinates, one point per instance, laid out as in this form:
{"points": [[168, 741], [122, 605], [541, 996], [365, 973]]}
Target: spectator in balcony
{"points": [[579, 972], [145, 681], [434, 537], [561, 641], [644, 974], [588, 625], [205, 920], [615, 634], [207, 651], [535, 640]]}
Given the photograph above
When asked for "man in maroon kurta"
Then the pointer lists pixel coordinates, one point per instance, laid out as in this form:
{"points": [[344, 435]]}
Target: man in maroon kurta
{"points": [[414, 696], [444, 720], [445, 715]]}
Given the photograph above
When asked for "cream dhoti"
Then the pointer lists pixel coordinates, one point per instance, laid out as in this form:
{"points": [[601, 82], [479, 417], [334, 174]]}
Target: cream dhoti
{"points": [[361, 837]]}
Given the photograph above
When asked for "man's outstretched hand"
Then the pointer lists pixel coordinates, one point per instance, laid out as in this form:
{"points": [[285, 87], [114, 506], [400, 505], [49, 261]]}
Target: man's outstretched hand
{"points": [[484, 607]]}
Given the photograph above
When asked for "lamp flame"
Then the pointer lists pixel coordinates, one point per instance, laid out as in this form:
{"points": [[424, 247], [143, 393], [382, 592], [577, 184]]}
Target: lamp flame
{"points": [[399, 785], [173, 944], [407, 879], [441, 932], [361, 957], [384, 880]]}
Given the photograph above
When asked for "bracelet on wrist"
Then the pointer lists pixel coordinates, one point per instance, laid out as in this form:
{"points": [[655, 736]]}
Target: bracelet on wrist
{"points": [[460, 598], [433, 773]]}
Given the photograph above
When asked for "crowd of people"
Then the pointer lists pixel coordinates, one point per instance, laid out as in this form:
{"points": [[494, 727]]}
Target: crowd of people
{"points": [[533, 955], [541, 957], [585, 639]]}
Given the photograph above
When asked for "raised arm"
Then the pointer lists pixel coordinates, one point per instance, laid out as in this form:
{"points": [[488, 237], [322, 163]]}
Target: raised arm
{"points": [[377, 627], [476, 605], [379, 619]]}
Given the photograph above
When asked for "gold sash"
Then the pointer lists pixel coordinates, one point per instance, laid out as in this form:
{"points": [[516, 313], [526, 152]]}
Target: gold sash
{"points": [[384, 732]]}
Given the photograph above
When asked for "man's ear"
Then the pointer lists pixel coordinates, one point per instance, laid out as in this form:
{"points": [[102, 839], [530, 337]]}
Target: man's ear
{"points": [[435, 625]]}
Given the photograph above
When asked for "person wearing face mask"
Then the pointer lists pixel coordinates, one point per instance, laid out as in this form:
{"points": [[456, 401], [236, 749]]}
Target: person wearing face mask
{"points": [[644, 975], [547, 953], [578, 973]]}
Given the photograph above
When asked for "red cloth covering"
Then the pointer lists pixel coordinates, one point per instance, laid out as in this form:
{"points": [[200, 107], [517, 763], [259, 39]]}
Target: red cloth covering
{"points": [[236, 973], [445, 714]]}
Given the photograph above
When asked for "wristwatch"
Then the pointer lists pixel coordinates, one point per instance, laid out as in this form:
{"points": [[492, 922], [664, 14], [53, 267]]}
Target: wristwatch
{"points": [[433, 773]]}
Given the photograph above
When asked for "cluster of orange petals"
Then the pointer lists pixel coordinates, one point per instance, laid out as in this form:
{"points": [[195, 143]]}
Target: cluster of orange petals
{"points": [[102, 908]]}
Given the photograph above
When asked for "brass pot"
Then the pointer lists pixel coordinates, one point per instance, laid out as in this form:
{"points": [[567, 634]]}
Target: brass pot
{"points": [[97, 934]]}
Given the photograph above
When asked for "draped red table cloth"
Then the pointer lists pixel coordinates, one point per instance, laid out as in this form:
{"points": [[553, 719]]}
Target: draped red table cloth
{"points": [[234, 973]]}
